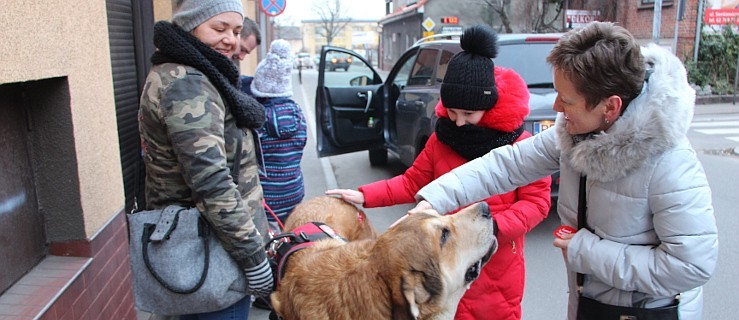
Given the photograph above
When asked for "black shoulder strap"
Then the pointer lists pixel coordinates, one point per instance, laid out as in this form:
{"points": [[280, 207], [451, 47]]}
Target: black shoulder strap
{"points": [[582, 208], [582, 205]]}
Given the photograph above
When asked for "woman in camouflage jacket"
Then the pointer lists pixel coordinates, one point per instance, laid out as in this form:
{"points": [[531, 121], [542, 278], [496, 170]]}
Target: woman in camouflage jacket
{"points": [[192, 118]]}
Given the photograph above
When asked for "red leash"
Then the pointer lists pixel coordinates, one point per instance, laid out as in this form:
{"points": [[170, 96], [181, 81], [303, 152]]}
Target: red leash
{"points": [[264, 202]]}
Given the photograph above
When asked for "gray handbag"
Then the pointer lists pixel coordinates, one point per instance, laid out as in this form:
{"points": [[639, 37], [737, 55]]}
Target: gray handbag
{"points": [[178, 265]]}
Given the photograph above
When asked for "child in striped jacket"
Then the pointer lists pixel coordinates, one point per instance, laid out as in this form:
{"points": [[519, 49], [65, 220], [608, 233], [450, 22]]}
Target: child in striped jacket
{"points": [[283, 135]]}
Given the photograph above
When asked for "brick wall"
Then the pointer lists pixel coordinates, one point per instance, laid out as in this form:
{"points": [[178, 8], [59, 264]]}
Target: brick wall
{"points": [[638, 20], [103, 289]]}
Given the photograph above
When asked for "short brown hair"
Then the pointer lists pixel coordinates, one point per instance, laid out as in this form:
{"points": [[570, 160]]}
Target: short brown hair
{"points": [[251, 28], [601, 59]]}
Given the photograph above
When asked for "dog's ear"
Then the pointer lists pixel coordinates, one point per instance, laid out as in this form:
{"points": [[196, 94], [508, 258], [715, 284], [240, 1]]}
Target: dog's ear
{"points": [[420, 287], [414, 292]]}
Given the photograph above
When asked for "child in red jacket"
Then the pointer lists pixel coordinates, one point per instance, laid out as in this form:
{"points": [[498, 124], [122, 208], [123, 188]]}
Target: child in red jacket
{"points": [[482, 107]]}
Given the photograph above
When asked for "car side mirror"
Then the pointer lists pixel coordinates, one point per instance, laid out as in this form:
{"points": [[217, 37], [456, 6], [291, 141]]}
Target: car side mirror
{"points": [[359, 81]]}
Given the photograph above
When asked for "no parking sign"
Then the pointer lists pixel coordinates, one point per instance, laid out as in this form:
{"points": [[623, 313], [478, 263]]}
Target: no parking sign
{"points": [[272, 7]]}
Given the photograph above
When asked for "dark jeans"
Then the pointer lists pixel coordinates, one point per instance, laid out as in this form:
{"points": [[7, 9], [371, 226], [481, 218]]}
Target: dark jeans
{"points": [[237, 311]]}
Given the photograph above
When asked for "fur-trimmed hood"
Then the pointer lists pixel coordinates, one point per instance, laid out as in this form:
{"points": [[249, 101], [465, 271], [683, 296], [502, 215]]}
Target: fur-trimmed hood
{"points": [[653, 122], [512, 107]]}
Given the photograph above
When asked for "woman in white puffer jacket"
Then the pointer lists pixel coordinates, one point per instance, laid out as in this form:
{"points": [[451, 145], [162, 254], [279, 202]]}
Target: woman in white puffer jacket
{"points": [[651, 232]]}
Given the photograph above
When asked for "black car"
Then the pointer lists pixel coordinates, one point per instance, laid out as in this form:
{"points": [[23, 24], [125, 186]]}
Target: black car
{"points": [[338, 61], [357, 110]]}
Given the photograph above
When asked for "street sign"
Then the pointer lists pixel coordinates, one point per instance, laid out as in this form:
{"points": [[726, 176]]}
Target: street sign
{"points": [[452, 29], [428, 24], [272, 7]]}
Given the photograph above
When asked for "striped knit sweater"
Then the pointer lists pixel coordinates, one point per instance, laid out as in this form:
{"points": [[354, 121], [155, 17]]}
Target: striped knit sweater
{"points": [[283, 139]]}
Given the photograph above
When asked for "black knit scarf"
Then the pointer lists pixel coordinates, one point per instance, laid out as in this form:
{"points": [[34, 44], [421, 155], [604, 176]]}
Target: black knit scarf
{"points": [[179, 46], [471, 141]]}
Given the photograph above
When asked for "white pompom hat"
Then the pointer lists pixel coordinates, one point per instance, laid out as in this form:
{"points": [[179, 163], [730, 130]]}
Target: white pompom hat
{"points": [[273, 77]]}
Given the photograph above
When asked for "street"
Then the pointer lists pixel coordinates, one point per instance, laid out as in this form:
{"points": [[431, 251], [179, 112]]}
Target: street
{"points": [[546, 293]]}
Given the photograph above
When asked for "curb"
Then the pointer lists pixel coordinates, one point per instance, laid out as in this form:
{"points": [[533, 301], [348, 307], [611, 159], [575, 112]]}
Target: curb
{"points": [[713, 99]]}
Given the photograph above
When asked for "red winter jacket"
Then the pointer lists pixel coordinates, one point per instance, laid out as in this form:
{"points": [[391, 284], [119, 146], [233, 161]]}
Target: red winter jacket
{"points": [[498, 292]]}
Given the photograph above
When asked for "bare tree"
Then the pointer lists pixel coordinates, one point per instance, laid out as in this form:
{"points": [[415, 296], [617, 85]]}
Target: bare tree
{"points": [[499, 7], [543, 16], [333, 18]]}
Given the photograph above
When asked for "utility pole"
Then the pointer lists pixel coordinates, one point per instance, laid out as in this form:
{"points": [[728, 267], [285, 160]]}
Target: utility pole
{"points": [[678, 18], [656, 21]]}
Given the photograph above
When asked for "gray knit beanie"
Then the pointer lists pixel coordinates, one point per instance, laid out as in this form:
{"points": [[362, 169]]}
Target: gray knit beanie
{"points": [[273, 77], [191, 13]]}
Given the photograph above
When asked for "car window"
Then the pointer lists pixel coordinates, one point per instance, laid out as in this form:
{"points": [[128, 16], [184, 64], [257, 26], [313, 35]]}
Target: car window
{"points": [[344, 70], [530, 61], [423, 68], [446, 56], [401, 78]]}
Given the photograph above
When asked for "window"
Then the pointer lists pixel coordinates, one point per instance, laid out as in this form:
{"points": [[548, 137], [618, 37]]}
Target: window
{"points": [[423, 68], [650, 3], [446, 56]]}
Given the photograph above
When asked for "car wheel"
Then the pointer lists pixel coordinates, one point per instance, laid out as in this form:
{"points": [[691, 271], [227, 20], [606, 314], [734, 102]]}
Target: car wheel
{"points": [[378, 156]]}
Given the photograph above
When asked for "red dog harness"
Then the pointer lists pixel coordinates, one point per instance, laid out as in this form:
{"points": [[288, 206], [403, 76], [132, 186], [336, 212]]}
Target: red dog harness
{"points": [[285, 244]]}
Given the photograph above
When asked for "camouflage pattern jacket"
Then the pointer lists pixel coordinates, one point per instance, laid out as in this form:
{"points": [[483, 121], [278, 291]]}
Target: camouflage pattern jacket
{"points": [[189, 139]]}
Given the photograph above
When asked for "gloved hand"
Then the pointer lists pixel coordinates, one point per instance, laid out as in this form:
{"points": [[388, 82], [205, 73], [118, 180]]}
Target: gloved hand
{"points": [[259, 278]]}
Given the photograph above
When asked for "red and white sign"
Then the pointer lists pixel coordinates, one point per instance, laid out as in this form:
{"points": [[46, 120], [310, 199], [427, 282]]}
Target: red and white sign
{"points": [[580, 18], [721, 16]]}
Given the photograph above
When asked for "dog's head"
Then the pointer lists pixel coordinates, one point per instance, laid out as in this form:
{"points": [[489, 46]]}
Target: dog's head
{"points": [[433, 259]]}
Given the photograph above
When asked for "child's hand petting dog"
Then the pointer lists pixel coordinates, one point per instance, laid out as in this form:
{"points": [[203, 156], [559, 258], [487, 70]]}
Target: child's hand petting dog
{"points": [[348, 195]]}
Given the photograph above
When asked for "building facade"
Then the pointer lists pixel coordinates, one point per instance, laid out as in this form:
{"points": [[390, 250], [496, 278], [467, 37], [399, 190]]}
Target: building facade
{"points": [[361, 36], [409, 20]]}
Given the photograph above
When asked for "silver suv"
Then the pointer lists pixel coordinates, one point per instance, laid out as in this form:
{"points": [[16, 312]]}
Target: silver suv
{"points": [[357, 110]]}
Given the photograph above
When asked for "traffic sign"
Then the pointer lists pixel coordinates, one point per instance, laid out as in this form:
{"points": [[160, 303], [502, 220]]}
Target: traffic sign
{"points": [[272, 7], [428, 24]]}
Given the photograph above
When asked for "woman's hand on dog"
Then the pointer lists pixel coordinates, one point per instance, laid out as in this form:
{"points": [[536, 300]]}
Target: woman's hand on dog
{"points": [[421, 206], [348, 195]]}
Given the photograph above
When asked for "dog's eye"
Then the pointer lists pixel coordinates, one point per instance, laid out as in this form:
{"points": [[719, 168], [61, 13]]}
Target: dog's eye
{"points": [[444, 235]]}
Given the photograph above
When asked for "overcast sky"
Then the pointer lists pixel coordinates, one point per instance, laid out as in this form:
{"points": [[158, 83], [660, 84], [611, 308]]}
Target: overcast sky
{"points": [[297, 10]]}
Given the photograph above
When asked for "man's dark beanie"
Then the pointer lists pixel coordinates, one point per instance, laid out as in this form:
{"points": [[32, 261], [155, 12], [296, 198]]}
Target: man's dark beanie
{"points": [[469, 82]]}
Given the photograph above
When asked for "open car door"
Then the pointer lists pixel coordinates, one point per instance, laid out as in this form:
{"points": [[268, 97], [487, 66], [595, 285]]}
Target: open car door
{"points": [[349, 107]]}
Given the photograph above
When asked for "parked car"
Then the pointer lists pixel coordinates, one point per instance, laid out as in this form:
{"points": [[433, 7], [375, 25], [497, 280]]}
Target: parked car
{"points": [[359, 111], [303, 60]]}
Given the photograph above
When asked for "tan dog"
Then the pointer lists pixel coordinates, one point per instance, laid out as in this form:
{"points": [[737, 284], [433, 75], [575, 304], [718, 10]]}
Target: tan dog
{"points": [[345, 218], [418, 269]]}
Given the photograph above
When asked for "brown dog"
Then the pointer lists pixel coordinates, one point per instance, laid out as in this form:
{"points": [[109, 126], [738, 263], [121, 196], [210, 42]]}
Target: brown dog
{"points": [[345, 218], [417, 269]]}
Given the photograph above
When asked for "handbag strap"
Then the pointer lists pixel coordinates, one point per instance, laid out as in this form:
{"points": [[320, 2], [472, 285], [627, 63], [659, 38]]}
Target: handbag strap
{"points": [[582, 222], [203, 232], [237, 159], [582, 208]]}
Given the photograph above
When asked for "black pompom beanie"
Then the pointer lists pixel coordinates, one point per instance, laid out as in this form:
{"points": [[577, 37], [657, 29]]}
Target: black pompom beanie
{"points": [[469, 82]]}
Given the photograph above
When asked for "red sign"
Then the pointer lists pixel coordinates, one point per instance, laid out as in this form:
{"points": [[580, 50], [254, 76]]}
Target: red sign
{"points": [[272, 7], [450, 20], [721, 16]]}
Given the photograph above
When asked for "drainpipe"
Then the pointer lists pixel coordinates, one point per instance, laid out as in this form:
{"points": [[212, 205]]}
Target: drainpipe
{"points": [[698, 30], [656, 21]]}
